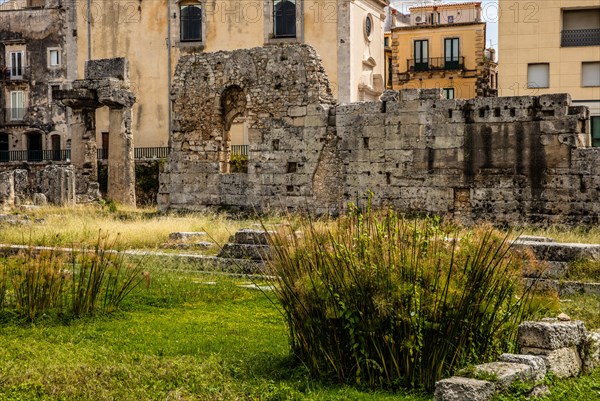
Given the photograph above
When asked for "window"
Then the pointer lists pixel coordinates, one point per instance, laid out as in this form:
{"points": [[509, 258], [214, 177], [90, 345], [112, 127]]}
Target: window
{"points": [[451, 53], [451, 19], [449, 93], [595, 122], [386, 41], [191, 23], [538, 75], [17, 105], [53, 57], [590, 74], [580, 27], [284, 18], [390, 67], [16, 64], [368, 27], [421, 55]]}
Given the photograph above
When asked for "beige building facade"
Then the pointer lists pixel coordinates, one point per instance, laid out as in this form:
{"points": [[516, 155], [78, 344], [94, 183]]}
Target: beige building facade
{"points": [[552, 46], [153, 35], [443, 47]]}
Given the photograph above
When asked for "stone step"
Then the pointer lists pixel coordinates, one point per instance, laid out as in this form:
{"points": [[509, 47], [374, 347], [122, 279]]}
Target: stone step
{"points": [[560, 252], [251, 237], [187, 236], [244, 251], [551, 270]]}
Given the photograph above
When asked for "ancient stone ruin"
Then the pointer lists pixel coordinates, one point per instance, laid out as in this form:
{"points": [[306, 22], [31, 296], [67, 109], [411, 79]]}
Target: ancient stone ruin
{"points": [[501, 159], [106, 83]]}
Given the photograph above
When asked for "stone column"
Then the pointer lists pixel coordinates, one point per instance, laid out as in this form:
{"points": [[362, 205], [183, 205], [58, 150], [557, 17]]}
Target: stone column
{"points": [[121, 162], [83, 147]]}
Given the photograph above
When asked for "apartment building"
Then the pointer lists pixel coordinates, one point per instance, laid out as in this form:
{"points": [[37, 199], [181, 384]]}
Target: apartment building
{"points": [[552, 46], [153, 35], [35, 38], [444, 47]]}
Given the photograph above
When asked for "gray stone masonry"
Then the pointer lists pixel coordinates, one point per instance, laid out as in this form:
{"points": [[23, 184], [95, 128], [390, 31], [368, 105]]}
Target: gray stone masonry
{"points": [[592, 352], [505, 373], [551, 334], [106, 83], [513, 159], [563, 362], [247, 244], [463, 389], [537, 364], [38, 184]]}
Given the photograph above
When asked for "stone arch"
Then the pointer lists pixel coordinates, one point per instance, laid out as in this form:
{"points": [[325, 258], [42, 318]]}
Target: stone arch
{"points": [[233, 104]]}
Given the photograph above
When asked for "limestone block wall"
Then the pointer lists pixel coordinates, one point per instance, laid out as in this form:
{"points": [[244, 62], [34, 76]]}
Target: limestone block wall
{"points": [[499, 159]]}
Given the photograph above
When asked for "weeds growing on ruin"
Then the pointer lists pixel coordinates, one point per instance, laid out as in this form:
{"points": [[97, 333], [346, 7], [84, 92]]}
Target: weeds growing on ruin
{"points": [[81, 283], [382, 301]]}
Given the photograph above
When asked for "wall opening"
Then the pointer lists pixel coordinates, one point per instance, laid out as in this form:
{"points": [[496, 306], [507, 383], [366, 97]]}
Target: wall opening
{"points": [[34, 146], [55, 140], [4, 147], [233, 152]]}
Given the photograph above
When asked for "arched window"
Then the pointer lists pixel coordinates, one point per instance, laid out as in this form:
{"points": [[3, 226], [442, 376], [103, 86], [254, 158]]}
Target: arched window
{"points": [[284, 18], [191, 22]]}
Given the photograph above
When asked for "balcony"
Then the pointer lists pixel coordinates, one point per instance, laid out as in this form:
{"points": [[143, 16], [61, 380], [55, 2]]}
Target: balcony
{"points": [[15, 75], [34, 155], [580, 37], [15, 115], [436, 64]]}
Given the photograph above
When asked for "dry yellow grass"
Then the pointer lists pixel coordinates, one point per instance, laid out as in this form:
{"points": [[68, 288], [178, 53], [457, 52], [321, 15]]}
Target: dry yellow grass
{"points": [[137, 229], [583, 234]]}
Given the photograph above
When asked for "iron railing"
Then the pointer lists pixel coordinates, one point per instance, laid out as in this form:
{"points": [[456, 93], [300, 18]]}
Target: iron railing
{"points": [[15, 74], [15, 115], [140, 153], [580, 37], [35, 155], [435, 64], [241, 150]]}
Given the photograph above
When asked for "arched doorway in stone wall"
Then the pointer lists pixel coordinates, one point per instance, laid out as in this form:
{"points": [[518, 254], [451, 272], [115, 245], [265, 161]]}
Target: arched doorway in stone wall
{"points": [[234, 146]]}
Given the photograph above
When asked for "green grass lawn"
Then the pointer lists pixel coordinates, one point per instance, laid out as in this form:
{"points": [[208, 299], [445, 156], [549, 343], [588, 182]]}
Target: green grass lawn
{"points": [[182, 339], [187, 337]]}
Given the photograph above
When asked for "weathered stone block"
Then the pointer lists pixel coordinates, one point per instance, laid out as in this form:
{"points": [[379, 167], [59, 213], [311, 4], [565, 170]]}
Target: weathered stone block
{"points": [[107, 68], [591, 352], [551, 335], [537, 364], [251, 237], [187, 236], [244, 251], [463, 389], [7, 189], [563, 362], [505, 373]]}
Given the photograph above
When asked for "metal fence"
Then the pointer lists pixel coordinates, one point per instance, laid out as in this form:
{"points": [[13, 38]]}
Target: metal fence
{"points": [[436, 63], [140, 153], [241, 150], [35, 155]]}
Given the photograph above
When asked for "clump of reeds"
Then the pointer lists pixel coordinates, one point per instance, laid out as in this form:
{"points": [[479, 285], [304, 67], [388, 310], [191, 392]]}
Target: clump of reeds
{"points": [[77, 283], [379, 300]]}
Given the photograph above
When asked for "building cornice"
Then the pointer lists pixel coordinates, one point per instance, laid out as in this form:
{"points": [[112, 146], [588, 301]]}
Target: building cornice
{"points": [[437, 26]]}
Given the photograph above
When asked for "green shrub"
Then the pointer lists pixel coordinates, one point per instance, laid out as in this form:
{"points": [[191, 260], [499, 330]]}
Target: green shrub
{"points": [[382, 301], [238, 163], [35, 283]]}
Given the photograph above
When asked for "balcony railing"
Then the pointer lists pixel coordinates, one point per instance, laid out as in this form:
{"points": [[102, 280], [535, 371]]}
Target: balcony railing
{"points": [[35, 155], [436, 64], [140, 153], [15, 115], [15, 75], [580, 37], [241, 150]]}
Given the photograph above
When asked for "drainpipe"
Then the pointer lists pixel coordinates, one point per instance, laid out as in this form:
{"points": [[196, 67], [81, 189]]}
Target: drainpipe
{"points": [[89, 29], [302, 22], [169, 67]]}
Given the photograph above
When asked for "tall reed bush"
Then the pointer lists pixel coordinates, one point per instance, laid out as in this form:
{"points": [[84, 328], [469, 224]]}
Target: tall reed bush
{"points": [[382, 301], [79, 283]]}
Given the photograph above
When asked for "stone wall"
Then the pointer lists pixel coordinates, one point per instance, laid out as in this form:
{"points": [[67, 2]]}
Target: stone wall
{"points": [[37, 183], [500, 159]]}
